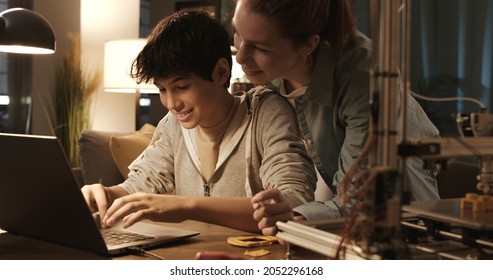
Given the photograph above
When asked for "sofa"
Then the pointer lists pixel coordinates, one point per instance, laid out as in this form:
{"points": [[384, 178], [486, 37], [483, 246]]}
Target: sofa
{"points": [[105, 156]]}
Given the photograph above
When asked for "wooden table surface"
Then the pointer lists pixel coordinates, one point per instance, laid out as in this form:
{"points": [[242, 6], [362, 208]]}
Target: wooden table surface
{"points": [[211, 238]]}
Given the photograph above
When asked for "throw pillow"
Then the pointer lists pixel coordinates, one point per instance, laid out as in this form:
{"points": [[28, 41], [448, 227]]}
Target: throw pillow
{"points": [[125, 149]]}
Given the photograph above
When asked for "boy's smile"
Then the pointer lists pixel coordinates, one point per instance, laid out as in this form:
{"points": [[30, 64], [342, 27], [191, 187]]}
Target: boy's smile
{"points": [[194, 101]]}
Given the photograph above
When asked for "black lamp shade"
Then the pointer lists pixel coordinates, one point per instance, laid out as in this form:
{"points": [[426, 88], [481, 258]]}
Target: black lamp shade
{"points": [[24, 31]]}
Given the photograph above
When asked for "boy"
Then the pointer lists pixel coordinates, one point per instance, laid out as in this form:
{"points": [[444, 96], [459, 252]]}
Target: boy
{"points": [[214, 149]]}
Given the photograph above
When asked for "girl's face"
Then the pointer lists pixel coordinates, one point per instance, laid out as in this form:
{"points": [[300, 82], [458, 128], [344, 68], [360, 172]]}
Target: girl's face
{"points": [[263, 53]]}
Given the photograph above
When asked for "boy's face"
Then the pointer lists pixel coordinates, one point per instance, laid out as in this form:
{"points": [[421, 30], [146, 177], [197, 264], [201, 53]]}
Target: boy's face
{"points": [[191, 99]]}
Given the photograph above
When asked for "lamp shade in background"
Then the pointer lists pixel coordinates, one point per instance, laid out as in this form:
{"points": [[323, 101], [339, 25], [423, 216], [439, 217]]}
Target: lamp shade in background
{"points": [[118, 58], [24, 31]]}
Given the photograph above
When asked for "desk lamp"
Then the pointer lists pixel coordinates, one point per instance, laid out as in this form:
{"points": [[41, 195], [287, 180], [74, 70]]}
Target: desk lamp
{"points": [[24, 31]]}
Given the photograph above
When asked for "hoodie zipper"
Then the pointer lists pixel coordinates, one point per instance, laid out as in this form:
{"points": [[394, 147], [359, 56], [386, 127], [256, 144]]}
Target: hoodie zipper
{"points": [[207, 189]]}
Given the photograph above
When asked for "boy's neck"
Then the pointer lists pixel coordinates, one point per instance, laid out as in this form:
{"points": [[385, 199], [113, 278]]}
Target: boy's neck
{"points": [[225, 107]]}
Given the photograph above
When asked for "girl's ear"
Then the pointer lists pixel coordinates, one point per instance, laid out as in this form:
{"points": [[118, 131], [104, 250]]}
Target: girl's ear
{"points": [[222, 71]]}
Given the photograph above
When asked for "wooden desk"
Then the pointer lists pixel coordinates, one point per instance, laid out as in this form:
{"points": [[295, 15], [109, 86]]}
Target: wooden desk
{"points": [[211, 238]]}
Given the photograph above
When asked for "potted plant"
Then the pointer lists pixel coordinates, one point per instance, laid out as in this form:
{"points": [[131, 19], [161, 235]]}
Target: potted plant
{"points": [[74, 88]]}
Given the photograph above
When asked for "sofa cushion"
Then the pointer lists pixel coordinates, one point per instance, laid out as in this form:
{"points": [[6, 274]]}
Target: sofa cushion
{"points": [[126, 148], [96, 161]]}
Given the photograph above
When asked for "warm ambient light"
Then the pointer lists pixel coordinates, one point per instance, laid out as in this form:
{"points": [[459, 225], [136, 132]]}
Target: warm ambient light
{"points": [[4, 100], [24, 31], [118, 58]]}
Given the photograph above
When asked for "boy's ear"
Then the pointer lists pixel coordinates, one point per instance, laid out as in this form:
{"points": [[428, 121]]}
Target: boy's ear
{"points": [[221, 71], [312, 43]]}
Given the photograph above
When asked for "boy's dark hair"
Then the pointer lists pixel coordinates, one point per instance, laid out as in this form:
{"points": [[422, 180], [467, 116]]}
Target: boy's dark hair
{"points": [[184, 43]]}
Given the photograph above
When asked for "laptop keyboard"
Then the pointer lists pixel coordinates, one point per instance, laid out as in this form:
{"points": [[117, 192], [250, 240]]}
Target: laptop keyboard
{"points": [[115, 237]]}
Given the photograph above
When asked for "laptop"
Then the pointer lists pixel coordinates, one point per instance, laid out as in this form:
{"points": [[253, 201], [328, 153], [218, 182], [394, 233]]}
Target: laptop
{"points": [[40, 198]]}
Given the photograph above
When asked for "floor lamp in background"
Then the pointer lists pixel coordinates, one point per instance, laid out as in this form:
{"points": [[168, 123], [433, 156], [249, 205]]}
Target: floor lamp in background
{"points": [[23, 31], [118, 58]]}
